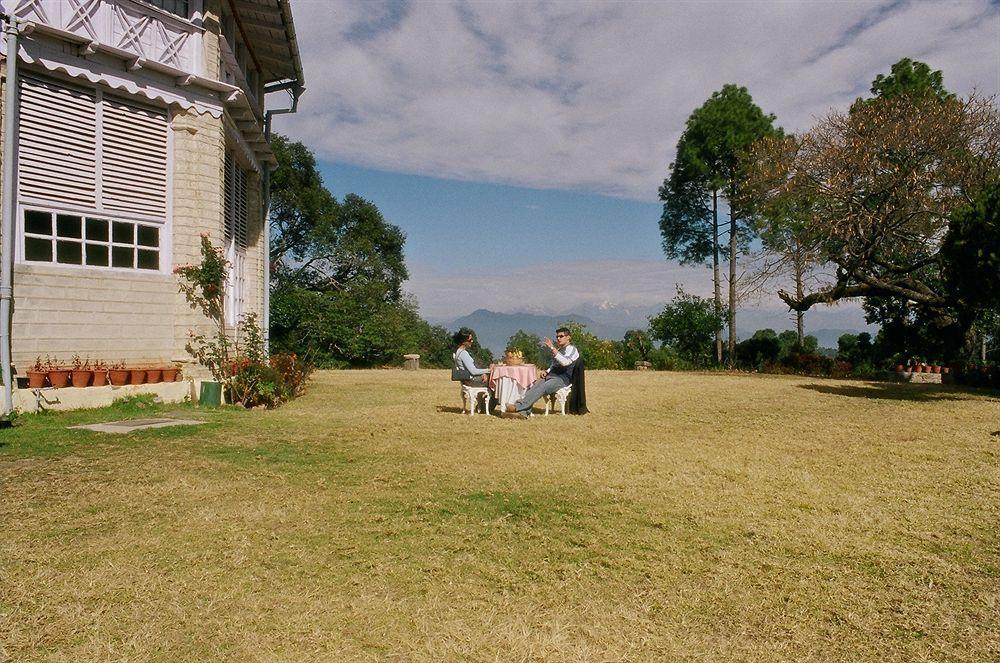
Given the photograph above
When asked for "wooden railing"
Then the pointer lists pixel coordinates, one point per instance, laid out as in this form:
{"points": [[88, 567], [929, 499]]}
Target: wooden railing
{"points": [[125, 27]]}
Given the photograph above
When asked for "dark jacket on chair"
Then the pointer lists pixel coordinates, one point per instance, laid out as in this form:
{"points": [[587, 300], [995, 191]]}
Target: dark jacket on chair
{"points": [[577, 403]]}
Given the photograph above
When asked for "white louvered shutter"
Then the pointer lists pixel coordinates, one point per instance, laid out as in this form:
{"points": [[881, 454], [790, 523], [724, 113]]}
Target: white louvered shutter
{"points": [[236, 205], [57, 153], [134, 159]]}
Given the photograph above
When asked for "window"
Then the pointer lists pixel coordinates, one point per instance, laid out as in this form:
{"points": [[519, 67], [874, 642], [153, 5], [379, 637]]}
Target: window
{"points": [[73, 239], [177, 7], [92, 177], [236, 238]]}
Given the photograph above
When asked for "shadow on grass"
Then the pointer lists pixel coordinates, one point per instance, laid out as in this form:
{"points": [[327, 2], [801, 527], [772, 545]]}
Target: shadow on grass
{"points": [[457, 410], [892, 392]]}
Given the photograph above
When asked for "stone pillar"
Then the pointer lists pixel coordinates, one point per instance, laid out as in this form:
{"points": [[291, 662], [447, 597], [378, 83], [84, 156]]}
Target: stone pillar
{"points": [[411, 362], [642, 365]]}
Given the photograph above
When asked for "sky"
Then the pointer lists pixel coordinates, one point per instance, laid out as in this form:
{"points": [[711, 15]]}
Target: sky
{"points": [[520, 145]]}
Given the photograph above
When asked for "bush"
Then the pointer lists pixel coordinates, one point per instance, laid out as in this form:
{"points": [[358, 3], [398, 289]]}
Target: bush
{"points": [[808, 364], [666, 359]]}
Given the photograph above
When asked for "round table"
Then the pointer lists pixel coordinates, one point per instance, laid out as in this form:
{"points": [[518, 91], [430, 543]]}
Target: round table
{"points": [[510, 382]]}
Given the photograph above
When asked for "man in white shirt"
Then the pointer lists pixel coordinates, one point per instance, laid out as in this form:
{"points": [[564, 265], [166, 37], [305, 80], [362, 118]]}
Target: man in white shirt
{"points": [[558, 375]]}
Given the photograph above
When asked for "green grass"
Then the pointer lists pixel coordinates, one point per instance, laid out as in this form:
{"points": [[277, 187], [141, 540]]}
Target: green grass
{"points": [[718, 517]]}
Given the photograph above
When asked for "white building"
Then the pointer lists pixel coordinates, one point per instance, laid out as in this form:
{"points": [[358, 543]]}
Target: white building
{"points": [[141, 124]]}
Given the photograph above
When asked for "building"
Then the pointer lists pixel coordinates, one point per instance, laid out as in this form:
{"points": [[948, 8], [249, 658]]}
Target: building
{"points": [[141, 124]]}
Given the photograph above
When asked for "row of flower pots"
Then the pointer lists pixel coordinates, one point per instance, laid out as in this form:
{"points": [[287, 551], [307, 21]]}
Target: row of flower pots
{"points": [[64, 377], [923, 368]]}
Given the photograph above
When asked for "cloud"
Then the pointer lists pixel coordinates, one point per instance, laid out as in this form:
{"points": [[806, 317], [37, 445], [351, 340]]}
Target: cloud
{"points": [[593, 96]]}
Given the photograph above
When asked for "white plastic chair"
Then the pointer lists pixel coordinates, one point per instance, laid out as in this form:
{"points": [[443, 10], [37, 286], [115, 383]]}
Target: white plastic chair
{"points": [[558, 398], [471, 396]]}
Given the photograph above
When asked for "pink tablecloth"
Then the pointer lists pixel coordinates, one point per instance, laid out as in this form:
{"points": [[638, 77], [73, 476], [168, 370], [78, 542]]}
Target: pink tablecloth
{"points": [[524, 375]]}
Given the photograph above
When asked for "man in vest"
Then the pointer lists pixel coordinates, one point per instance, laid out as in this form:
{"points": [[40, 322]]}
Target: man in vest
{"points": [[558, 375]]}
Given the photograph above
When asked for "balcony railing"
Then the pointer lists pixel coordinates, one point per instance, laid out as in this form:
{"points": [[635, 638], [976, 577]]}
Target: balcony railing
{"points": [[121, 26]]}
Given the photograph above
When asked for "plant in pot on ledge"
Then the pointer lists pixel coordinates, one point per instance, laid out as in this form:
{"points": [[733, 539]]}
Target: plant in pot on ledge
{"points": [[118, 373], [58, 374], [100, 373], [37, 374], [81, 371]]}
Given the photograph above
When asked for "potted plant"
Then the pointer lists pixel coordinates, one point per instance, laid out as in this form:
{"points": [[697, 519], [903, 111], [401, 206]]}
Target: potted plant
{"points": [[58, 374], [137, 376], [37, 374], [154, 375], [170, 373], [81, 371], [100, 373], [118, 374]]}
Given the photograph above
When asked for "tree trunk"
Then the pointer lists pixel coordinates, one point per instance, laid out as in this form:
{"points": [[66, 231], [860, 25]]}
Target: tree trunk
{"points": [[715, 273], [799, 293], [732, 287]]}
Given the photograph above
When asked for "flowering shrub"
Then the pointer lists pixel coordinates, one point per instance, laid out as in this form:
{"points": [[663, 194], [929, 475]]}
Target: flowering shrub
{"points": [[237, 360]]}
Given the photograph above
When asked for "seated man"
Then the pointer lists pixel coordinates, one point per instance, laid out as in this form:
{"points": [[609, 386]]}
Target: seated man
{"points": [[558, 375]]}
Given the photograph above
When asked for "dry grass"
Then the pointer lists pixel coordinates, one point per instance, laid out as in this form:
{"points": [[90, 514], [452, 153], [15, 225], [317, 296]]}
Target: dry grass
{"points": [[704, 517]]}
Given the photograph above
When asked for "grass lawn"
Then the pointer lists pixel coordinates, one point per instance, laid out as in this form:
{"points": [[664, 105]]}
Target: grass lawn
{"points": [[689, 516]]}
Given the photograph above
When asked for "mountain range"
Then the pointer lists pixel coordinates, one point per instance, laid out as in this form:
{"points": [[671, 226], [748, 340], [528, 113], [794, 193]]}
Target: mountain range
{"points": [[493, 329]]}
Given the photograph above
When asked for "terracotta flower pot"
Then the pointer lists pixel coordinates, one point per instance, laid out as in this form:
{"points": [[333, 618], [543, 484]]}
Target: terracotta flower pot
{"points": [[119, 376], [36, 379], [935, 369], [59, 377], [900, 368], [137, 376], [945, 370], [154, 375], [100, 378], [169, 374], [82, 378]]}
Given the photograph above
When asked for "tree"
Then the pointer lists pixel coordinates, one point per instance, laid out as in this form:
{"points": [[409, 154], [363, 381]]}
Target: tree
{"points": [[884, 180], [337, 274], [530, 347], [789, 249], [636, 346], [599, 353], [910, 78], [689, 325], [708, 165]]}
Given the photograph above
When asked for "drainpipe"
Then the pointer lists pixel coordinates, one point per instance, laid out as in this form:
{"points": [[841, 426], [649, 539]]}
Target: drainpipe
{"points": [[296, 91], [9, 200]]}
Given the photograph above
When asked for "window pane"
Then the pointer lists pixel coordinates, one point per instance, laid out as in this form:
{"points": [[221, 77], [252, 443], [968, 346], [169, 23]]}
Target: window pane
{"points": [[122, 256], [69, 226], [69, 253], [97, 254], [149, 236], [97, 229], [37, 249], [149, 259], [123, 233], [39, 223], [178, 7]]}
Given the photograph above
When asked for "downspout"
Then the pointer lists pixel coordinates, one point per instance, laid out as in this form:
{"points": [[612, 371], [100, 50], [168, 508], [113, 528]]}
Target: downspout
{"points": [[296, 91], [10, 30]]}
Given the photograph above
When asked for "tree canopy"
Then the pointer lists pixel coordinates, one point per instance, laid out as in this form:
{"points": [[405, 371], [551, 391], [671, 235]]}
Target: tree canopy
{"points": [[884, 181]]}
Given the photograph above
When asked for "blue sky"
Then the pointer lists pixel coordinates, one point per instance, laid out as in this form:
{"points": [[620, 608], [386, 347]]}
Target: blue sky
{"points": [[459, 225], [520, 144]]}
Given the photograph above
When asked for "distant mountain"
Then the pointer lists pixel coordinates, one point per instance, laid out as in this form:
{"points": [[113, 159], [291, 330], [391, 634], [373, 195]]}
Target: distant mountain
{"points": [[493, 329]]}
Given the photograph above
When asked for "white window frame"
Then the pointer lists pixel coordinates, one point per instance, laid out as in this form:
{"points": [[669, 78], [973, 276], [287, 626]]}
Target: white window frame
{"points": [[110, 243], [165, 224]]}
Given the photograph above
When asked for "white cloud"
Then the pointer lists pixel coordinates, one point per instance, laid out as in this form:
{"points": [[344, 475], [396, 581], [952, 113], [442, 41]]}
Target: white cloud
{"points": [[593, 96]]}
